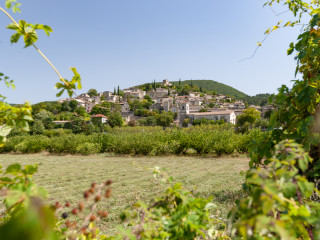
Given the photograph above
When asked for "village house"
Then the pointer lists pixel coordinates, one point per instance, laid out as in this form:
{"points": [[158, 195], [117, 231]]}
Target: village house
{"points": [[154, 94], [194, 94], [166, 83], [228, 116], [195, 108], [125, 107], [134, 92], [99, 118], [89, 106]]}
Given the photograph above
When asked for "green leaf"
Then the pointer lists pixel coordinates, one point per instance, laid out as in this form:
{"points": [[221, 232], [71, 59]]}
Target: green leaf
{"points": [[5, 130], [13, 26], [30, 169], [15, 38], [16, 8], [303, 164], [30, 37], [60, 93], [13, 168], [306, 188]]}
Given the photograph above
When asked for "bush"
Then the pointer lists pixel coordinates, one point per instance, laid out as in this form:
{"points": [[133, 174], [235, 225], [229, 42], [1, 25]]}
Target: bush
{"points": [[37, 127], [12, 142], [66, 144], [56, 132], [224, 142], [33, 144], [204, 139], [88, 148]]}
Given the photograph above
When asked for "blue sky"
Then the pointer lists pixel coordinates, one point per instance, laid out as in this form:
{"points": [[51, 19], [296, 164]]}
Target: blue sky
{"points": [[129, 42]]}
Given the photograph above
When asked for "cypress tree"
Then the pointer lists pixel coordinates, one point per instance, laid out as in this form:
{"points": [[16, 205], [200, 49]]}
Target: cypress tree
{"points": [[118, 93], [179, 81], [114, 91]]}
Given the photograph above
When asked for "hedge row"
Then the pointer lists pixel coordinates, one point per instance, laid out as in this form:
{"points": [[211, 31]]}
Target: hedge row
{"points": [[219, 140]]}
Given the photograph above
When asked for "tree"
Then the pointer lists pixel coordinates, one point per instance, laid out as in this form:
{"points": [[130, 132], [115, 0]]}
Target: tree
{"points": [[283, 180], [164, 119], [250, 115], [65, 106], [37, 127], [81, 111], [115, 119], [46, 118], [92, 92], [118, 91], [73, 104], [79, 125]]}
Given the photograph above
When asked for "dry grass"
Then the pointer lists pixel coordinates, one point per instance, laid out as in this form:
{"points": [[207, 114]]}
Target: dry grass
{"points": [[66, 177]]}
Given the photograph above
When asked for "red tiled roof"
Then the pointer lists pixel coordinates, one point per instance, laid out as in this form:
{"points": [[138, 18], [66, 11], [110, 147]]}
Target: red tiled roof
{"points": [[99, 116]]}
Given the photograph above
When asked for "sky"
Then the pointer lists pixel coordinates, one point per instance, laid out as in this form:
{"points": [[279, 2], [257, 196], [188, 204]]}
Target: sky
{"points": [[130, 42]]}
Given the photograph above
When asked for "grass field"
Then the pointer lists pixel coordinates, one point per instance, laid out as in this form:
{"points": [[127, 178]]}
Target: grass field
{"points": [[66, 177]]}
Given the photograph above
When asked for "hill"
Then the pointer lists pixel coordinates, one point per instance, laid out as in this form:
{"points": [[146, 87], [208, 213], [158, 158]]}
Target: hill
{"points": [[211, 85]]}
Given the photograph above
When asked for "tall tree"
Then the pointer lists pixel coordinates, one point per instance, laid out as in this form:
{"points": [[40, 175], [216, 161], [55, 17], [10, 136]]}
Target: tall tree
{"points": [[92, 92]]}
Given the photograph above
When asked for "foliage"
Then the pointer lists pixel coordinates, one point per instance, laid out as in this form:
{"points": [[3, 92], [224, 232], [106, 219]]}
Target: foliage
{"points": [[12, 117], [24, 215], [177, 214], [247, 120], [279, 204], [283, 191], [249, 115], [115, 119], [92, 92], [259, 99], [210, 85], [164, 119], [148, 121], [37, 127], [204, 139], [88, 148]]}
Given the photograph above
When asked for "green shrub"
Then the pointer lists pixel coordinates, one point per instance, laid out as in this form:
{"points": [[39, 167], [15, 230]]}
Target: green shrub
{"points": [[56, 132], [179, 141], [201, 142], [88, 148], [224, 142], [11, 143], [143, 143], [123, 145], [66, 144], [33, 144]]}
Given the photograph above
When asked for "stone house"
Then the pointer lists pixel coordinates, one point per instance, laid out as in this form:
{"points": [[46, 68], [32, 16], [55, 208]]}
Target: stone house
{"points": [[166, 83], [228, 116]]}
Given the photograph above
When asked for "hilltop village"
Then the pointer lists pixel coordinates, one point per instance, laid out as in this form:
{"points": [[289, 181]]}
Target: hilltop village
{"points": [[187, 105]]}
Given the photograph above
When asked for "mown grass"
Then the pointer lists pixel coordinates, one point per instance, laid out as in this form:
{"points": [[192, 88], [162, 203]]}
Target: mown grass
{"points": [[66, 178]]}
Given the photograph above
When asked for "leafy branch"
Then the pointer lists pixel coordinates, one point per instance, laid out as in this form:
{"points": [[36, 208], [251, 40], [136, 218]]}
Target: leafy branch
{"points": [[30, 36]]}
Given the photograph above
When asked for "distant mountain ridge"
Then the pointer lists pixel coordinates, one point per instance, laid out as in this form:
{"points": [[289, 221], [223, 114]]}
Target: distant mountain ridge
{"points": [[211, 85]]}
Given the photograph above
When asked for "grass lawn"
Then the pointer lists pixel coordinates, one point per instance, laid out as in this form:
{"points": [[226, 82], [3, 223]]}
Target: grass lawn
{"points": [[66, 178]]}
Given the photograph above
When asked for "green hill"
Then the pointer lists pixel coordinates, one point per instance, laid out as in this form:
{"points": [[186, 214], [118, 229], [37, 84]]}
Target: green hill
{"points": [[211, 85]]}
